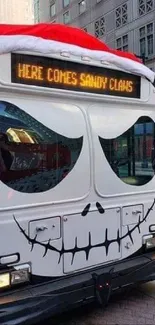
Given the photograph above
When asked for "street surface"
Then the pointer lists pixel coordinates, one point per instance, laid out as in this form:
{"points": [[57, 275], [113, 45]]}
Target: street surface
{"points": [[134, 306]]}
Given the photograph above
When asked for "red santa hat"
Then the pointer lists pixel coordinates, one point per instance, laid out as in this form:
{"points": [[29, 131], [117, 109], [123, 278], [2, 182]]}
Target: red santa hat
{"points": [[56, 38]]}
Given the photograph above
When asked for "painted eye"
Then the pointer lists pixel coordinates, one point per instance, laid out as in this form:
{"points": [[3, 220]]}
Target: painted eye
{"points": [[132, 154], [33, 158]]}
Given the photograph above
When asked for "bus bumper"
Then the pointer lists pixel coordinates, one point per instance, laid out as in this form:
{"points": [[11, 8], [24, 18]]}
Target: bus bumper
{"points": [[34, 303]]}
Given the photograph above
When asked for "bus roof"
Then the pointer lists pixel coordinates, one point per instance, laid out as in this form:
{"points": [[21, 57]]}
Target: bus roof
{"points": [[49, 39]]}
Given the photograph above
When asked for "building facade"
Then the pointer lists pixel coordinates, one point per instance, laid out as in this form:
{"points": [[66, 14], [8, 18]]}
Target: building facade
{"points": [[16, 12], [127, 25]]}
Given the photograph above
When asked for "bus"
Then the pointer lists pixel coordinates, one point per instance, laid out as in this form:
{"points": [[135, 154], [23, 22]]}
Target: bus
{"points": [[77, 165]]}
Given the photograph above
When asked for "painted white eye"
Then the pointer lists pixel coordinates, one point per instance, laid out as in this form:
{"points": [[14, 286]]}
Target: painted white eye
{"points": [[64, 119], [110, 122]]}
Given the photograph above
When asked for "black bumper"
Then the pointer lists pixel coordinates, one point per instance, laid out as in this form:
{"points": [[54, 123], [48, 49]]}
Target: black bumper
{"points": [[30, 305]]}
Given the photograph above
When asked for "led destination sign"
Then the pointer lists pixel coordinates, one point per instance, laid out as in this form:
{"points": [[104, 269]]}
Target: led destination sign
{"points": [[54, 73]]}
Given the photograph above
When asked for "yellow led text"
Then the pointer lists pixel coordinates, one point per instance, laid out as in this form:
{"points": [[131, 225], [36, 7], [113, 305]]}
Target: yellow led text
{"points": [[92, 81], [73, 78], [62, 77], [121, 85], [27, 71]]}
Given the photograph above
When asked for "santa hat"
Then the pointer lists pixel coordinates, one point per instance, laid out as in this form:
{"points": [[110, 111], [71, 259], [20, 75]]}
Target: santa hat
{"points": [[56, 38]]}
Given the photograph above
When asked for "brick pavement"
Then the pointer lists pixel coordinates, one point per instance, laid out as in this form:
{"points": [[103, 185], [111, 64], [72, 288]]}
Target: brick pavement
{"points": [[135, 306]]}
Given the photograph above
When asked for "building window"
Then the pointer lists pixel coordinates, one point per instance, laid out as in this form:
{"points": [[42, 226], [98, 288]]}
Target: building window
{"points": [[145, 6], [82, 6], [132, 154], [33, 157], [66, 3], [100, 27], [52, 10], [121, 15], [36, 11], [122, 43], [146, 41], [66, 17]]}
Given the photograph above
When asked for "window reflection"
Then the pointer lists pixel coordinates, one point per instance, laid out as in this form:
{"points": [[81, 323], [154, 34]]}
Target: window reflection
{"points": [[33, 158], [132, 155]]}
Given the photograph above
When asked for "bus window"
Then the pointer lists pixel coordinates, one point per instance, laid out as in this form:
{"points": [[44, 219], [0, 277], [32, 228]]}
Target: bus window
{"points": [[132, 155], [33, 158]]}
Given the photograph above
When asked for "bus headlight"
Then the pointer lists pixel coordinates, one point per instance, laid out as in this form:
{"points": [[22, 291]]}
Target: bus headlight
{"points": [[20, 275], [149, 241], [4, 280]]}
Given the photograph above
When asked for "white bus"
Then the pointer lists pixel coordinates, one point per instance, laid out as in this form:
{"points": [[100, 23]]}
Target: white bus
{"points": [[77, 164]]}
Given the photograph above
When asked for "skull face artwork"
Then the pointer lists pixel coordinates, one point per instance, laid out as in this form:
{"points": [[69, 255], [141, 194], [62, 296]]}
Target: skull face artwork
{"points": [[36, 159]]}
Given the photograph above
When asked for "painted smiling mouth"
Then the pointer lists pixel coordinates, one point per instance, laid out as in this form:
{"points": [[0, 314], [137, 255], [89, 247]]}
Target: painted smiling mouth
{"points": [[106, 243]]}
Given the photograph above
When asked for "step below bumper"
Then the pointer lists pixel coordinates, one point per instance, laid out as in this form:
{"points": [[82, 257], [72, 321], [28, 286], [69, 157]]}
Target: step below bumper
{"points": [[33, 304]]}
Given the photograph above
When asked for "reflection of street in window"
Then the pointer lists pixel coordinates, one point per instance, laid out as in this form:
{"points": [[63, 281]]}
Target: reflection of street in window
{"points": [[131, 155], [33, 158], [6, 157]]}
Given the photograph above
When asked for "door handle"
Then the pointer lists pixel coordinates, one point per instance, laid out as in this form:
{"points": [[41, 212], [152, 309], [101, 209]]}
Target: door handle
{"points": [[41, 228], [136, 212]]}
